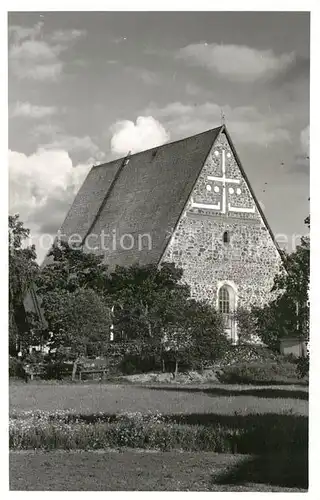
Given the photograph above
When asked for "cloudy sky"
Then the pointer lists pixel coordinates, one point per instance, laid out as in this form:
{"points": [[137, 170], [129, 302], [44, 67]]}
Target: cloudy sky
{"points": [[85, 88]]}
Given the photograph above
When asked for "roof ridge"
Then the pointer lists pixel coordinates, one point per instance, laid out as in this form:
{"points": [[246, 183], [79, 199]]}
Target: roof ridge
{"points": [[105, 198], [122, 158], [218, 131]]}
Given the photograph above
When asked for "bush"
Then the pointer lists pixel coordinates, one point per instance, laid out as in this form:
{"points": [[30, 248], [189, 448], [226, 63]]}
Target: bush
{"points": [[55, 368], [303, 366], [16, 368], [249, 353], [133, 363], [246, 324], [258, 373]]}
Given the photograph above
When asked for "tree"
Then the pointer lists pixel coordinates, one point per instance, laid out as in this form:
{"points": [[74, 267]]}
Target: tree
{"points": [[77, 320], [177, 343], [23, 270], [154, 306], [209, 341], [293, 285], [71, 269], [288, 313], [196, 335], [246, 324], [143, 298]]}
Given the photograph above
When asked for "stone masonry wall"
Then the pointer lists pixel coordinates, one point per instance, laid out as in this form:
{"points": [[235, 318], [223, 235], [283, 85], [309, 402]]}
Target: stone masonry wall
{"points": [[249, 261]]}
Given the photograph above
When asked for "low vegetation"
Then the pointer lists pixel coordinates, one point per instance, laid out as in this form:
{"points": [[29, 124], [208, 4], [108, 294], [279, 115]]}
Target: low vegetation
{"points": [[261, 372], [254, 433]]}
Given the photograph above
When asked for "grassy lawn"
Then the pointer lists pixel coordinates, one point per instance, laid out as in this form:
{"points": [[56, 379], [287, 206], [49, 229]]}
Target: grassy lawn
{"points": [[154, 471], [112, 398], [215, 405]]}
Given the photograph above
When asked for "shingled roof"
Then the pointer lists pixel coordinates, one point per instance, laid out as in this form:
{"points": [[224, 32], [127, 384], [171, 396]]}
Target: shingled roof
{"points": [[142, 193]]}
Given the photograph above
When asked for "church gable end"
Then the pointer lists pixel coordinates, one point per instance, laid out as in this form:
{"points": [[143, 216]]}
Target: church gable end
{"points": [[222, 236]]}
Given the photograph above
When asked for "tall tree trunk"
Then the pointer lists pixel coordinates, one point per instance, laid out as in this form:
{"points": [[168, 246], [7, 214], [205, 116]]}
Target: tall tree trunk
{"points": [[146, 312], [163, 366], [74, 368], [176, 369]]}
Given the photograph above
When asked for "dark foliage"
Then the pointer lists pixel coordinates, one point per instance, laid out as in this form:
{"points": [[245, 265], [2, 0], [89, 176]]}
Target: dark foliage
{"points": [[16, 368], [23, 269], [288, 313], [303, 366], [258, 373]]}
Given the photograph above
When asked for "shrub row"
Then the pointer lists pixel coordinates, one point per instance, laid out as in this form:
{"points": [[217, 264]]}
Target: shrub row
{"points": [[247, 353], [260, 435], [259, 373]]}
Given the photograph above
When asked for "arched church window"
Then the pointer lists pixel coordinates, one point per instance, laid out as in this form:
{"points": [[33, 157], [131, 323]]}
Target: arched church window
{"points": [[224, 300], [226, 237]]}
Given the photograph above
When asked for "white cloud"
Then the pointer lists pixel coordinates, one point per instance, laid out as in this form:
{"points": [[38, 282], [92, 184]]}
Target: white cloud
{"points": [[34, 55], [146, 133], [73, 144], [305, 140], [18, 33], [302, 160], [52, 137], [246, 123], [38, 175], [28, 110], [236, 62], [42, 187], [43, 72], [35, 50], [66, 36], [35, 60]]}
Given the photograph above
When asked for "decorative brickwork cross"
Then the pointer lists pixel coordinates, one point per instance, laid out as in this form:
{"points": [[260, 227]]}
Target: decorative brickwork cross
{"points": [[224, 180]]}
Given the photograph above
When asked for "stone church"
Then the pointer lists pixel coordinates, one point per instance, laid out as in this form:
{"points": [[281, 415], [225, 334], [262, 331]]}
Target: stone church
{"points": [[188, 202]]}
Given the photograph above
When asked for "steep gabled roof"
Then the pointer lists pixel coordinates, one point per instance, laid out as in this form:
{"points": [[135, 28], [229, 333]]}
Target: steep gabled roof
{"points": [[142, 193]]}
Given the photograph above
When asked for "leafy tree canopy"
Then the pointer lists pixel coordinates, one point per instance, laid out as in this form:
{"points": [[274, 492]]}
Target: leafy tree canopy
{"points": [[78, 320], [70, 269], [23, 270], [288, 314]]}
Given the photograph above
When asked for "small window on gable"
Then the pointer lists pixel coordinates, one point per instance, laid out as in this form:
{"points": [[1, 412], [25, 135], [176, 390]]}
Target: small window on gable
{"points": [[226, 237]]}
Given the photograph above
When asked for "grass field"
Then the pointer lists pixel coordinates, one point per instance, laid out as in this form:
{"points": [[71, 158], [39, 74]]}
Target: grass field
{"points": [[154, 471], [132, 469], [111, 398]]}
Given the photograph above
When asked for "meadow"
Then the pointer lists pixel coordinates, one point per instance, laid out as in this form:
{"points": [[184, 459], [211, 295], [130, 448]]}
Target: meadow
{"points": [[113, 398], [133, 470], [130, 437]]}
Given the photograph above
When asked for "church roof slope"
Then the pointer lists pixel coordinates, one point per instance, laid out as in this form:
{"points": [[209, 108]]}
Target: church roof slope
{"points": [[141, 194]]}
